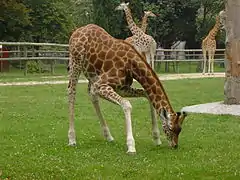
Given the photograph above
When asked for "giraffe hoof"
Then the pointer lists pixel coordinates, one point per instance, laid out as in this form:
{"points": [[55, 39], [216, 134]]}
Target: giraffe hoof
{"points": [[72, 144], [131, 150], [157, 142], [110, 139], [131, 153]]}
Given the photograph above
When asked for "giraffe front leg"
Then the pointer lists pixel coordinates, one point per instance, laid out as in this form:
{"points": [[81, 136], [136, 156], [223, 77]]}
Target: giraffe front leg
{"points": [[73, 79], [209, 64], [133, 92], [103, 123], [148, 58], [108, 93], [204, 61], [212, 65], [155, 129]]}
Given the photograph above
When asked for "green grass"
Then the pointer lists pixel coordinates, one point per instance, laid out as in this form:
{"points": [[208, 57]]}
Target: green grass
{"points": [[34, 125]]}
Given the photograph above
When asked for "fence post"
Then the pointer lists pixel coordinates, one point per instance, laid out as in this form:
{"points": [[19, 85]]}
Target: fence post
{"points": [[52, 66], [25, 55]]}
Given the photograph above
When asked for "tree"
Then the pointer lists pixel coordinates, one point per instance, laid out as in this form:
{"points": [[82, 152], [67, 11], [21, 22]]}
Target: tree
{"points": [[14, 16], [50, 21], [232, 27]]}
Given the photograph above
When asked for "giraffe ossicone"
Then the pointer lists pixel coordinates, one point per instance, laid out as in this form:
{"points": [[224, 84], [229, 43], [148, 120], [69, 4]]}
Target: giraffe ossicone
{"points": [[110, 65]]}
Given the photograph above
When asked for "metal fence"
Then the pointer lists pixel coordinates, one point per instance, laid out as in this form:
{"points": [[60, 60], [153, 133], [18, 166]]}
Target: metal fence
{"points": [[52, 58]]}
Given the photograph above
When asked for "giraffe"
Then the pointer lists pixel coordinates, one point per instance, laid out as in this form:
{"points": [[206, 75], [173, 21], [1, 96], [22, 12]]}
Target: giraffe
{"points": [[110, 65], [142, 42], [144, 25], [209, 46]]}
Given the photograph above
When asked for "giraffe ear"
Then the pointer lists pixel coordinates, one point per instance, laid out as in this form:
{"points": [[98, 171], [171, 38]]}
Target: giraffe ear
{"points": [[163, 114], [127, 3], [182, 117]]}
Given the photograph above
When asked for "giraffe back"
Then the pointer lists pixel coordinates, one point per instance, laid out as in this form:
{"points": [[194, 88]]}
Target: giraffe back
{"points": [[98, 53]]}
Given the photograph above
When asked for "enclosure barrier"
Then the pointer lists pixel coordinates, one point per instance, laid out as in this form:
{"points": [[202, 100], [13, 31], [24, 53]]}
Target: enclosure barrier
{"points": [[49, 56]]}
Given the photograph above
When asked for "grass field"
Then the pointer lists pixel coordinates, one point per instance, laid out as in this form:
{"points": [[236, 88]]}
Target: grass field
{"points": [[34, 125]]}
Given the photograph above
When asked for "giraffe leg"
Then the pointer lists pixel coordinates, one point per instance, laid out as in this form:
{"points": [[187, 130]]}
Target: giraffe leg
{"points": [[212, 63], [152, 53], [148, 58], [155, 129], [209, 62], [204, 60], [108, 93], [95, 102], [74, 73], [133, 92]]}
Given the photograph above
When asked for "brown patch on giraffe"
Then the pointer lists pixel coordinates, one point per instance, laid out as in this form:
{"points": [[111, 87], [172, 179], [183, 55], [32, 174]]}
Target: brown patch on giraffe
{"points": [[101, 55], [121, 53], [130, 55], [83, 38], [154, 89], [110, 54], [119, 64], [164, 103], [92, 58], [151, 81], [98, 64], [90, 68], [107, 65]]}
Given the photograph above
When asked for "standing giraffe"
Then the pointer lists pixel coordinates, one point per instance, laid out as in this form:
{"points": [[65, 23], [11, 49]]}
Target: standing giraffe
{"points": [[110, 65], [209, 46], [142, 42], [144, 25]]}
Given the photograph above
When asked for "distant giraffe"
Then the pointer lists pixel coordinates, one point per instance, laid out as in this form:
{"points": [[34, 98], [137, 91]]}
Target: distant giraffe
{"points": [[110, 65], [209, 46], [142, 42], [144, 25]]}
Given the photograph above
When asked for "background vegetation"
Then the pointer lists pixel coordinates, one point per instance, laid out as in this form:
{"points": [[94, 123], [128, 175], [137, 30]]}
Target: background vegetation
{"points": [[54, 20]]}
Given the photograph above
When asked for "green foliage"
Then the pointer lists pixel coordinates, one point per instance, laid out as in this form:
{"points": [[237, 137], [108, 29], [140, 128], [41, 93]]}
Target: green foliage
{"points": [[54, 20], [14, 16], [32, 67]]}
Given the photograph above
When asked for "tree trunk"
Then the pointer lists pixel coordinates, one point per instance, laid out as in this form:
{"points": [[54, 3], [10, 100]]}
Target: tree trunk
{"points": [[232, 52]]}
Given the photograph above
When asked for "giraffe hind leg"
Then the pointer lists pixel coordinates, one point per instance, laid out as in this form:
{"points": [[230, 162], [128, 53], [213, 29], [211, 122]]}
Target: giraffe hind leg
{"points": [[103, 123], [204, 60], [74, 72]]}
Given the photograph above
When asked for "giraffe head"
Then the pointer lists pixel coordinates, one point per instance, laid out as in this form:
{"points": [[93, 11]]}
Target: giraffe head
{"points": [[149, 14], [122, 6], [171, 124]]}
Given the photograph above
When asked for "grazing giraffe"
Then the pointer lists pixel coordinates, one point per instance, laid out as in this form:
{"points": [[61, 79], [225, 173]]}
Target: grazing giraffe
{"points": [[142, 42], [209, 46], [144, 25], [110, 65]]}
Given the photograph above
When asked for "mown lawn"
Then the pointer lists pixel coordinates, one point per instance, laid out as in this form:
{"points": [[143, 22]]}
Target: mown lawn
{"points": [[34, 125]]}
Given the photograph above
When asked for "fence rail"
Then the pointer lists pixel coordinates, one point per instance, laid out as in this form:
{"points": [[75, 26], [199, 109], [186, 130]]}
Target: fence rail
{"points": [[51, 54]]}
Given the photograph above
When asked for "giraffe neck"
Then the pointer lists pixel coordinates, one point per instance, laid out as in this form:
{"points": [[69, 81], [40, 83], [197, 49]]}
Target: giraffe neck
{"points": [[144, 23], [212, 34], [131, 24], [152, 85]]}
